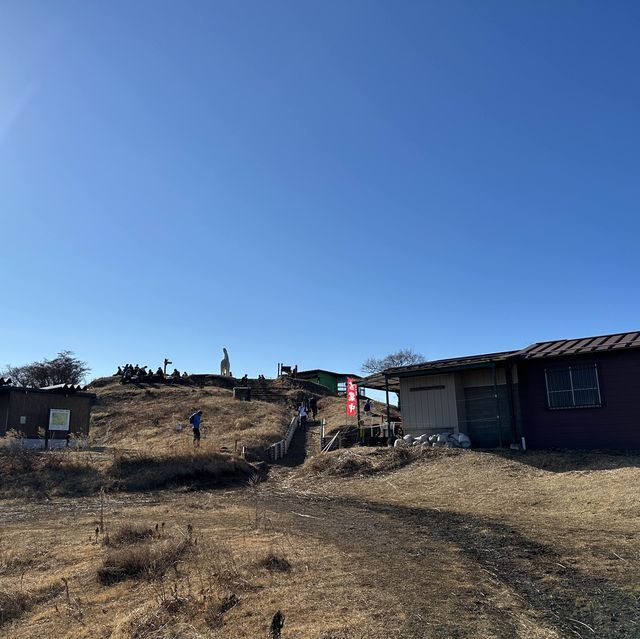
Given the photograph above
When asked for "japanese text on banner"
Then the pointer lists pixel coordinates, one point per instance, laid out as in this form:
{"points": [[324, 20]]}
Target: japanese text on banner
{"points": [[352, 397]]}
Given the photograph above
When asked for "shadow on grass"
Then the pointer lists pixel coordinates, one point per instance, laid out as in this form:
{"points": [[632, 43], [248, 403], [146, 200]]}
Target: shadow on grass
{"points": [[557, 592], [64, 480], [560, 595], [564, 461], [34, 474], [140, 472]]}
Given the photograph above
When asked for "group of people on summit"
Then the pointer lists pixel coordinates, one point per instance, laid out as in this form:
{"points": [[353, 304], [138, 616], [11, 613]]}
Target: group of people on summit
{"points": [[129, 374]]}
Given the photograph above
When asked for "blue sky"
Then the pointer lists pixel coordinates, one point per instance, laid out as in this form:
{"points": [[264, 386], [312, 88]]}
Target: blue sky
{"points": [[315, 182]]}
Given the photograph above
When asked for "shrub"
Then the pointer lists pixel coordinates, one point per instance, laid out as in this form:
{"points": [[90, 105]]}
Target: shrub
{"points": [[275, 563], [243, 423], [145, 472], [141, 560], [14, 603], [129, 534]]}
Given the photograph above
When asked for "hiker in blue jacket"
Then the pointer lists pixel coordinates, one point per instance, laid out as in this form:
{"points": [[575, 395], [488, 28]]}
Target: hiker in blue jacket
{"points": [[195, 420]]}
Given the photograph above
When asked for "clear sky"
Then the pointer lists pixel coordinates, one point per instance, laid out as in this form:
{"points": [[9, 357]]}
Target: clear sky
{"points": [[315, 182]]}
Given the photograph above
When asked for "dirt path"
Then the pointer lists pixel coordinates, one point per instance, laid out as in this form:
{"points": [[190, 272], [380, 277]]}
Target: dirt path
{"points": [[442, 574], [304, 444]]}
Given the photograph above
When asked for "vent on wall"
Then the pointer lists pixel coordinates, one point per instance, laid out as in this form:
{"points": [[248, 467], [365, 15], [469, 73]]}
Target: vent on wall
{"points": [[426, 388]]}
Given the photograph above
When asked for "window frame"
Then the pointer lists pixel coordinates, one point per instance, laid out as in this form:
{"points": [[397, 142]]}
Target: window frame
{"points": [[569, 368]]}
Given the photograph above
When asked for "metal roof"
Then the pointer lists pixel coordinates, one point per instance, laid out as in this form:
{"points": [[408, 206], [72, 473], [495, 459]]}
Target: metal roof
{"points": [[377, 380], [554, 348], [322, 370], [580, 346], [78, 392], [453, 362], [67, 387]]}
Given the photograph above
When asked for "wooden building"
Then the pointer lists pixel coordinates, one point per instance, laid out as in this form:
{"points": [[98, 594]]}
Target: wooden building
{"points": [[579, 393], [51, 413]]}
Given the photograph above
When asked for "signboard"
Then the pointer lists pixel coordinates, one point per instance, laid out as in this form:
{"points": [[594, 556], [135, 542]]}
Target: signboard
{"points": [[352, 397], [59, 419]]}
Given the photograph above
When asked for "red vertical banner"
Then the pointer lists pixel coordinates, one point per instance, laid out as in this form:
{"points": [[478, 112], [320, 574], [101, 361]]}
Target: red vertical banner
{"points": [[352, 397]]}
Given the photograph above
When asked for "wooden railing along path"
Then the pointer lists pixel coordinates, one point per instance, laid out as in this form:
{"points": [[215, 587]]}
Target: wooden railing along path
{"points": [[280, 449]]}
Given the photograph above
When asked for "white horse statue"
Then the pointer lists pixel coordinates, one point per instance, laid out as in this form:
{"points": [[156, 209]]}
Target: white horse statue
{"points": [[225, 365]]}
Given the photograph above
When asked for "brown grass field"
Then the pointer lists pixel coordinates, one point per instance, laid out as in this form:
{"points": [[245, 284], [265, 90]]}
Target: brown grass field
{"points": [[354, 544], [146, 418]]}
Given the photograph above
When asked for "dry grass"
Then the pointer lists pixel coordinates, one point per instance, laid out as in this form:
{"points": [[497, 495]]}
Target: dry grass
{"points": [[147, 556], [141, 471], [229, 581], [275, 562], [350, 462], [29, 473], [14, 604], [149, 418], [130, 533], [36, 474], [455, 544]]}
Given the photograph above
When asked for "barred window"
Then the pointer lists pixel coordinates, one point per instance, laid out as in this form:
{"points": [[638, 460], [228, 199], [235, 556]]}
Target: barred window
{"points": [[573, 387]]}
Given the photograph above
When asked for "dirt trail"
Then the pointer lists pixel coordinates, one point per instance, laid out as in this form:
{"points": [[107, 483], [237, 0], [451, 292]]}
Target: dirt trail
{"points": [[304, 444], [452, 575]]}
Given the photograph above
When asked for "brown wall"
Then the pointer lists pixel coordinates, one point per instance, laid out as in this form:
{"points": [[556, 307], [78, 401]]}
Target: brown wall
{"points": [[615, 425], [4, 412], [35, 406]]}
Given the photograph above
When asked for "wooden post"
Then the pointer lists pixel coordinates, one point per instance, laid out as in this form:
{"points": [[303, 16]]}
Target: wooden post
{"points": [[386, 390], [358, 414], [495, 392]]}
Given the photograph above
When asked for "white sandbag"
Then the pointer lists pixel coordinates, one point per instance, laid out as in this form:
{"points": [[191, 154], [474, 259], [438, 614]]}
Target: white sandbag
{"points": [[442, 438], [464, 440], [408, 439], [398, 443], [423, 438], [433, 439]]}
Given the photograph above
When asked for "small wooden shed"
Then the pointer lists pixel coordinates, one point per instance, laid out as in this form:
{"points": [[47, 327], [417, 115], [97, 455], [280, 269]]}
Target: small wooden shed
{"points": [[51, 413]]}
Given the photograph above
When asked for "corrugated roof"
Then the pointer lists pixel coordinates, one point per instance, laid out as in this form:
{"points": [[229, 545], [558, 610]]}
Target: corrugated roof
{"points": [[78, 391], [554, 348], [377, 380], [322, 370], [67, 387], [468, 360], [583, 345]]}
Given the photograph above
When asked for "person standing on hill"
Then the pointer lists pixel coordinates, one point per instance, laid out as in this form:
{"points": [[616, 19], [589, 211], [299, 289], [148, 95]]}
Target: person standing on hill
{"points": [[313, 406], [195, 420]]}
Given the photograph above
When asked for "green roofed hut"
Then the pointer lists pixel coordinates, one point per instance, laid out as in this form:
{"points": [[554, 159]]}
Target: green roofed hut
{"points": [[335, 382]]}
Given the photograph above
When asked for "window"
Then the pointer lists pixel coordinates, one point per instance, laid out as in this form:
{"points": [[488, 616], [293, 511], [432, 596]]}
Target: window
{"points": [[573, 387]]}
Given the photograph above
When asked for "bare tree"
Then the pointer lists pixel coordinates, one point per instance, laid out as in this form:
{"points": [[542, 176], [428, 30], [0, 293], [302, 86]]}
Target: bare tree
{"points": [[404, 357], [62, 369]]}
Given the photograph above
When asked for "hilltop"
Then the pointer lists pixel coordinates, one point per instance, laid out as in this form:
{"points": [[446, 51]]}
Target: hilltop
{"points": [[156, 416]]}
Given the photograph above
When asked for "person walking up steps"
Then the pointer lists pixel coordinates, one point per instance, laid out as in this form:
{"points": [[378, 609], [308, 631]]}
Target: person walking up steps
{"points": [[302, 414], [195, 420]]}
